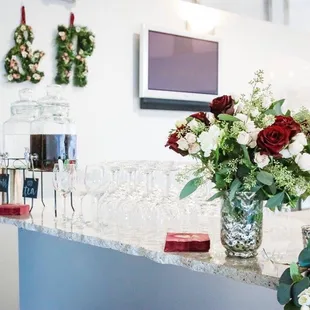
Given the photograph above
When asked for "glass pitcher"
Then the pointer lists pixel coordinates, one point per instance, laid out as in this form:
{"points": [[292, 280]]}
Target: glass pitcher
{"points": [[53, 133], [17, 129]]}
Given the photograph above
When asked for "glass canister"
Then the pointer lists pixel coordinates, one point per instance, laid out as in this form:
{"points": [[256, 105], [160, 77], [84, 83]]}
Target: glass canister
{"points": [[53, 133], [17, 129]]}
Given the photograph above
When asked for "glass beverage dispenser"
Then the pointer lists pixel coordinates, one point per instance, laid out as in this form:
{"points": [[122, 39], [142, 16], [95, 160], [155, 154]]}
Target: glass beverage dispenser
{"points": [[53, 133], [16, 130]]}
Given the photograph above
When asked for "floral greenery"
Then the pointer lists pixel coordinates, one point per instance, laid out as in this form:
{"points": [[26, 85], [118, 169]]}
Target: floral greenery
{"points": [[29, 60], [294, 284], [66, 55], [248, 145]]}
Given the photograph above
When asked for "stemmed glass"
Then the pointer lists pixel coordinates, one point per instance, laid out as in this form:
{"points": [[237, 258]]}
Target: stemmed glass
{"points": [[63, 182], [94, 182], [79, 190]]}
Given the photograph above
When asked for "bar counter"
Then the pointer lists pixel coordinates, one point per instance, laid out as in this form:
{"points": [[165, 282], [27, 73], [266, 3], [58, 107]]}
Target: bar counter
{"points": [[281, 244]]}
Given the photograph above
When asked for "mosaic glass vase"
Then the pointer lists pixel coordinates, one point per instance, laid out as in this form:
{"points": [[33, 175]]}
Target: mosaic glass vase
{"points": [[242, 225]]}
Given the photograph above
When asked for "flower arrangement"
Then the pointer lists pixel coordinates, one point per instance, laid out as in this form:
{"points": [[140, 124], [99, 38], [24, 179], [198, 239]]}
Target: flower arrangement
{"points": [[248, 145], [67, 56], [294, 284], [29, 59]]}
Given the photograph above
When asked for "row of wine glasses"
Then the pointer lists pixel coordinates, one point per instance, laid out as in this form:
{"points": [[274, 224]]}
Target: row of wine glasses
{"points": [[133, 194]]}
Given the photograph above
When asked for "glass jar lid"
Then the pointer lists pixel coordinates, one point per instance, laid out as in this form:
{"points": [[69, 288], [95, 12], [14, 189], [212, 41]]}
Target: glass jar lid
{"points": [[25, 104], [54, 97]]}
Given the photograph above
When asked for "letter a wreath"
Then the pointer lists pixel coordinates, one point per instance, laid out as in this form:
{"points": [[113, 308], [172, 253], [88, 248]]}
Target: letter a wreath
{"points": [[27, 70], [67, 56]]}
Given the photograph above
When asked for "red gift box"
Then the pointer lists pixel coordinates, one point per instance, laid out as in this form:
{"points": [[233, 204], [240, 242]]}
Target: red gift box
{"points": [[14, 209], [187, 242]]}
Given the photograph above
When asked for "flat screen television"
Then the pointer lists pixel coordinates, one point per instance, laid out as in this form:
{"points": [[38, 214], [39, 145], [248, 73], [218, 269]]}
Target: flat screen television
{"points": [[178, 66]]}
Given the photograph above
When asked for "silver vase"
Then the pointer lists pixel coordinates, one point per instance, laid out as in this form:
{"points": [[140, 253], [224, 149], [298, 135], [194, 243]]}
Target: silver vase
{"points": [[242, 225]]}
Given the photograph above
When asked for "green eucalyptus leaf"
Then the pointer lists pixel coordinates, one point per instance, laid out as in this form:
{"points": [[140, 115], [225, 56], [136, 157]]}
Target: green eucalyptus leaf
{"points": [[288, 113], [275, 201], [270, 112], [304, 258], [273, 188], [297, 288], [246, 155], [277, 106], [286, 277], [228, 118], [217, 195], [235, 185], [291, 306], [294, 273], [190, 187], [284, 293], [265, 178], [220, 181]]}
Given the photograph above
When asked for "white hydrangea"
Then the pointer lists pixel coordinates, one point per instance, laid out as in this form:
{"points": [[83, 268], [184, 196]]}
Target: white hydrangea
{"points": [[209, 139]]}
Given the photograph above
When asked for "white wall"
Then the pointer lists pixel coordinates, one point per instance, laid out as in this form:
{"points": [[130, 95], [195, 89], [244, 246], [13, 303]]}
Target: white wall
{"points": [[111, 125]]}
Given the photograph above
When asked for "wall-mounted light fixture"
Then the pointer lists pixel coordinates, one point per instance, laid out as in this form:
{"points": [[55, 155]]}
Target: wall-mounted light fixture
{"points": [[199, 19]]}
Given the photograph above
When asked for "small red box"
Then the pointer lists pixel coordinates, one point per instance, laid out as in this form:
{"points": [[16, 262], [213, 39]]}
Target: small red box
{"points": [[187, 242], [14, 209]]}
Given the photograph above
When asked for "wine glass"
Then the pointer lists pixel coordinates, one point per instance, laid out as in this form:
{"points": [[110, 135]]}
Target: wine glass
{"points": [[94, 182], [63, 181], [79, 190]]}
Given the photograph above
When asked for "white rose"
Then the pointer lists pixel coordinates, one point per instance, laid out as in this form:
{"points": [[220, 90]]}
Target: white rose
{"points": [[266, 104], [181, 123], [77, 29], [215, 132], [253, 144], [304, 307], [194, 148], [285, 153], [303, 161], [239, 107], [295, 148], [211, 118], [255, 112], [244, 138], [250, 126], [303, 300], [299, 191], [242, 117], [37, 76], [301, 138], [261, 160], [10, 77], [254, 134], [193, 124], [182, 144], [190, 138], [24, 54]]}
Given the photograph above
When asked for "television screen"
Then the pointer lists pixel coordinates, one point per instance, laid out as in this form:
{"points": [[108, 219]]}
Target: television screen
{"points": [[182, 64]]}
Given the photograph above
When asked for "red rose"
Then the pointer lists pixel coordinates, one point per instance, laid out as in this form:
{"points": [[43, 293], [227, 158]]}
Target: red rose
{"points": [[289, 123], [272, 140], [222, 105], [173, 144], [201, 116]]}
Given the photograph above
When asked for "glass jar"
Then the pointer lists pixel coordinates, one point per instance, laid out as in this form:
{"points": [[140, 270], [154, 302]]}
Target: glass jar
{"points": [[17, 129], [53, 133]]}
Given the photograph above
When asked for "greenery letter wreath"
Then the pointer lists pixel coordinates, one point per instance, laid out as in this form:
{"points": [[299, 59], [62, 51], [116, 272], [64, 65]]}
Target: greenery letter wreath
{"points": [[67, 55], [27, 70]]}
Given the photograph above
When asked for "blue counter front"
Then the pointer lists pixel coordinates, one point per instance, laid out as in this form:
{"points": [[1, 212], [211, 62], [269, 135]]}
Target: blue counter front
{"points": [[57, 274]]}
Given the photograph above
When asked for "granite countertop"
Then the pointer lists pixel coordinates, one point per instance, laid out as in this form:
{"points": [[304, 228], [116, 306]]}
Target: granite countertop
{"points": [[282, 241]]}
